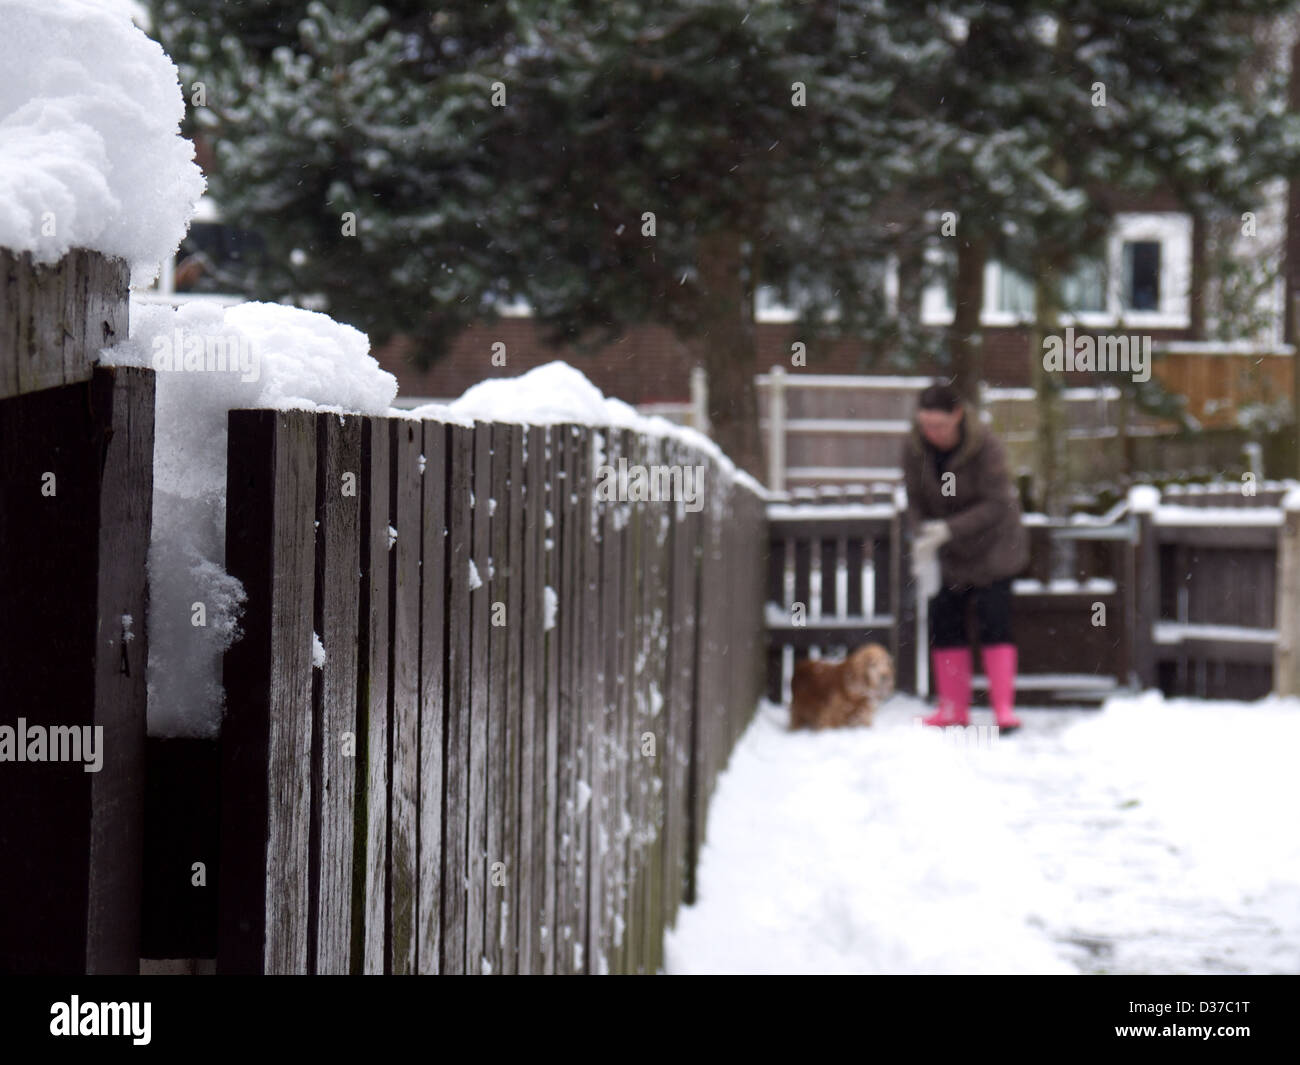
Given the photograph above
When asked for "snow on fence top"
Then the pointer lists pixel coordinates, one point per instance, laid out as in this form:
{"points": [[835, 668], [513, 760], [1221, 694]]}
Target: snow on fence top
{"points": [[208, 361], [556, 394], [90, 149]]}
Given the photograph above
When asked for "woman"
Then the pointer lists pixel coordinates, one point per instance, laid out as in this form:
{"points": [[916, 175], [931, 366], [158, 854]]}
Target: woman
{"points": [[963, 506]]}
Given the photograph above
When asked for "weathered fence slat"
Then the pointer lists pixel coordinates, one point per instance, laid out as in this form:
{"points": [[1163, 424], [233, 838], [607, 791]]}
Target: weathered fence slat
{"points": [[566, 760], [628, 739], [605, 903], [433, 685], [338, 542], [455, 883], [495, 580], [591, 697], [266, 745], [404, 683], [480, 608], [512, 565], [532, 853], [371, 873], [554, 488]]}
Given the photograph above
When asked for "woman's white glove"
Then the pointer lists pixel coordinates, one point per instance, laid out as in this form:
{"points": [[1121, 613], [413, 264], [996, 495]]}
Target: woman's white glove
{"points": [[925, 557], [932, 536], [925, 571]]}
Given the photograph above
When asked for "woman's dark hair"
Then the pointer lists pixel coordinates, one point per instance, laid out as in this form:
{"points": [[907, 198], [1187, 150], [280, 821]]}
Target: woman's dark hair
{"points": [[939, 397]]}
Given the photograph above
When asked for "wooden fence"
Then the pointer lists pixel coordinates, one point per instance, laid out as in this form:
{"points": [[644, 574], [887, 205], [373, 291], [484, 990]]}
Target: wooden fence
{"points": [[463, 786], [1177, 593], [1215, 554], [828, 429], [504, 759]]}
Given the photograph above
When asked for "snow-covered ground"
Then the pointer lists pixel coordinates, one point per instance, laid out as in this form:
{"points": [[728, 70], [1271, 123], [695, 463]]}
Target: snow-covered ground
{"points": [[1150, 836]]}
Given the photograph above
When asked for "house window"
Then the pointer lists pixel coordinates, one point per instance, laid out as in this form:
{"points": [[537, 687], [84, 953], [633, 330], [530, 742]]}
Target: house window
{"points": [[1083, 289], [1142, 275], [1015, 292], [938, 291]]}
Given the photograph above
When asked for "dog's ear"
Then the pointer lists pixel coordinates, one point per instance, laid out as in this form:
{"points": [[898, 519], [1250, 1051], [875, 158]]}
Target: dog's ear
{"points": [[881, 670]]}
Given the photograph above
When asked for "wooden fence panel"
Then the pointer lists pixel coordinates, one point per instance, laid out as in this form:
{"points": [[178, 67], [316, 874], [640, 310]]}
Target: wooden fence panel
{"points": [[455, 893], [512, 565], [643, 723], [75, 509], [532, 841], [479, 691], [266, 744], [584, 775], [338, 568], [658, 664], [607, 804], [372, 698], [433, 693], [550, 838], [569, 591], [591, 444], [679, 638], [552, 605], [706, 657], [499, 865], [404, 676], [619, 695], [643, 678]]}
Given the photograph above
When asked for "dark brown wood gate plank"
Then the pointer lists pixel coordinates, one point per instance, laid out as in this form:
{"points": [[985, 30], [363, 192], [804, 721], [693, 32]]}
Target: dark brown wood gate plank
{"points": [[433, 692], [455, 896], [338, 542], [372, 695], [480, 608], [266, 742]]}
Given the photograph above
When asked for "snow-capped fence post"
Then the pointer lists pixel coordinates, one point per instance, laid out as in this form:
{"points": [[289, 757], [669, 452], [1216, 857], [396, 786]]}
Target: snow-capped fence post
{"points": [[76, 490], [54, 319], [1286, 662]]}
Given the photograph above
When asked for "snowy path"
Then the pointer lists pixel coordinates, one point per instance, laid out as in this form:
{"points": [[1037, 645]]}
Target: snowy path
{"points": [[1148, 837]]}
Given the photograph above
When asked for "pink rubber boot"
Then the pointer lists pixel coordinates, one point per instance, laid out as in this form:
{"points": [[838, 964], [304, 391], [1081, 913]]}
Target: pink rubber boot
{"points": [[952, 669], [1000, 667]]}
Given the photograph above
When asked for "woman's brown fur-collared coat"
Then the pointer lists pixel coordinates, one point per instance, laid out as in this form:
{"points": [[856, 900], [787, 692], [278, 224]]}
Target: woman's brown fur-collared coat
{"points": [[982, 512]]}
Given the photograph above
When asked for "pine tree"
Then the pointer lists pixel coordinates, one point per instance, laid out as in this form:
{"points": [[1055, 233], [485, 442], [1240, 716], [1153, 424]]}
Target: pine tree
{"points": [[703, 148], [614, 162], [610, 163], [359, 143]]}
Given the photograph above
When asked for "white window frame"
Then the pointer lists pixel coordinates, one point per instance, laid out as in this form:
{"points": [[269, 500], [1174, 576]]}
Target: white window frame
{"points": [[1170, 229]]}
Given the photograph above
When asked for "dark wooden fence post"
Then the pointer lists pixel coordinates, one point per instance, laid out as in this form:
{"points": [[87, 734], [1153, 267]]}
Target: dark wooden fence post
{"points": [[54, 319], [76, 490]]}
